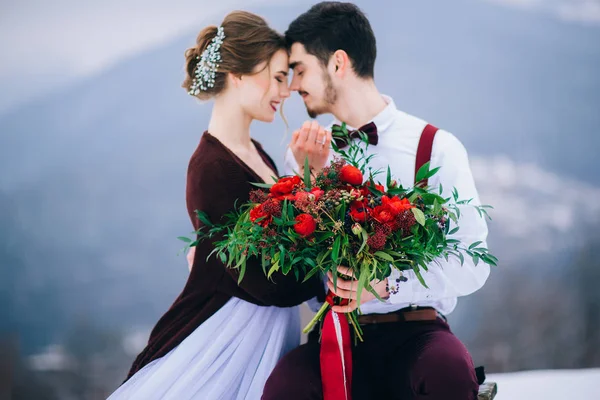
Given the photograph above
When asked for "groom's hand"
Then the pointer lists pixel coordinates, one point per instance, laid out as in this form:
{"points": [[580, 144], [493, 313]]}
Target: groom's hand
{"points": [[312, 141], [347, 289]]}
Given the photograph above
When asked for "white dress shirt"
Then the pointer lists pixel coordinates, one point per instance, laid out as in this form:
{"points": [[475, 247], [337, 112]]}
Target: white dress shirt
{"points": [[399, 135]]}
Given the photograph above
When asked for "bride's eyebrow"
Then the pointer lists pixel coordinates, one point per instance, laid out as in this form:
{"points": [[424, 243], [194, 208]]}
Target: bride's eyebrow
{"points": [[283, 72]]}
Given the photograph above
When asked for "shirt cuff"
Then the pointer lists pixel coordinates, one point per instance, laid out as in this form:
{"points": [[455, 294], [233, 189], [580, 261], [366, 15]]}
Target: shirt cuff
{"points": [[405, 287]]}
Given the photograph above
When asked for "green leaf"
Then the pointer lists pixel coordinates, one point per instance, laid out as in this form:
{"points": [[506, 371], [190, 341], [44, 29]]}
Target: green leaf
{"points": [[472, 246], [184, 239], [362, 281], [307, 182], [384, 256], [422, 172], [310, 262], [274, 268], [419, 276], [453, 231], [335, 250], [419, 216], [455, 194], [203, 218], [432, 173], [365, 238], [261, 185], [242, 273], [310, 274]]}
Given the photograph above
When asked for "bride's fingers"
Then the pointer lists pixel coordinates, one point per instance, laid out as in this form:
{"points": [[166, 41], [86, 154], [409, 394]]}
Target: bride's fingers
{"points": [[295, 137], [321, 138], [311, 140], [343, 284], [353, 305], [327, 141], [346, 271], [343, 293]]}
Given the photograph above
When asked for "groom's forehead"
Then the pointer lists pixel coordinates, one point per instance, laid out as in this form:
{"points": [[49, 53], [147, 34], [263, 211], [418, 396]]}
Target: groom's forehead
{"points": [[298, 55]]}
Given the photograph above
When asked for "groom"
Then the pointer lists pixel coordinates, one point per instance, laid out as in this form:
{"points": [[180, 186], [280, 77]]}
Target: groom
{"points": [[408, 351]]}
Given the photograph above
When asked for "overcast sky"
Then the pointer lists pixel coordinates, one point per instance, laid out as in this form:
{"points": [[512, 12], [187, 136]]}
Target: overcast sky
{"points": [[47, 44]]}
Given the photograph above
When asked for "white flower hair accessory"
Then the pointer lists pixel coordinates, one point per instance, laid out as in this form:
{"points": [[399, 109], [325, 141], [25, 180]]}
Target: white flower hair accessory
{"points": [[208, 62]]}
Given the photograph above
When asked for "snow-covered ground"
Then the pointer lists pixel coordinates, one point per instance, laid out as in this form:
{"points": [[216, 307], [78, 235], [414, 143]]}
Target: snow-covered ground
{"points": [[548, 385]]}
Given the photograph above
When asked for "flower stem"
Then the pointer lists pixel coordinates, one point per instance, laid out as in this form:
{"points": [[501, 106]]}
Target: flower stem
{"points": [[353, 319], [316, 318]]}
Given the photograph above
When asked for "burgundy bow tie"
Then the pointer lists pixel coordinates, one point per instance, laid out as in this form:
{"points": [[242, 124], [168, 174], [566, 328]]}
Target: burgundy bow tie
{"points": [[369, 129]]}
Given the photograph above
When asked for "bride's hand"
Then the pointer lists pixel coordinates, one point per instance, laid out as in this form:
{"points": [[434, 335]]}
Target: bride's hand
{"points": [[346, 289], [190, 257], [312, 141]]}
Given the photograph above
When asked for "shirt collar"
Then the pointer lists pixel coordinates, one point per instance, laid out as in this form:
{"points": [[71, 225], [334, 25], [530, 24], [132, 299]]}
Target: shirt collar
{"points": [[384, 119]]}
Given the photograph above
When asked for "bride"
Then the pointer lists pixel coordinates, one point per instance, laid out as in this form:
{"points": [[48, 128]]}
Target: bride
{"points": [[221, 340]]}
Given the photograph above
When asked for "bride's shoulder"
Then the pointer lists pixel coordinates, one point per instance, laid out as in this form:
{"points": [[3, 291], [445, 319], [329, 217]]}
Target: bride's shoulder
{"points": [[210, 158]]}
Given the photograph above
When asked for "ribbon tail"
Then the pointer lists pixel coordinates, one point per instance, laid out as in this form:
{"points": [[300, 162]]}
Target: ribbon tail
{"points": [[336, 357]]}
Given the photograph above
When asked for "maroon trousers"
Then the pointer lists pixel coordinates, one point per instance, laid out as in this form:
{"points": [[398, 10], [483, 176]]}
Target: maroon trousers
{"points": [[400, 360]]}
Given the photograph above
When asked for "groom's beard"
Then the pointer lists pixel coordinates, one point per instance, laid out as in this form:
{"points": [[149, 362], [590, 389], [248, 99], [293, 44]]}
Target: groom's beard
{"points": [[330, 98]]}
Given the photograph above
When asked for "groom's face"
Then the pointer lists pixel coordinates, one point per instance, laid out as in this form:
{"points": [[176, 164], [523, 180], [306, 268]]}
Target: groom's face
{"points": [[312, 81]]}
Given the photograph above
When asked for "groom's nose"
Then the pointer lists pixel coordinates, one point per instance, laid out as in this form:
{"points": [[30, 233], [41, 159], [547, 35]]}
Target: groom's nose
{"points": [[295, 84]]}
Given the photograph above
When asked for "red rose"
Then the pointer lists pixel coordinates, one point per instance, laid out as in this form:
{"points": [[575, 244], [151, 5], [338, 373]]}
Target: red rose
{"points": [[395, 204], [259, 212], [359, 211], [351, 175], [305, 225], [283, 188], [384, 215]]}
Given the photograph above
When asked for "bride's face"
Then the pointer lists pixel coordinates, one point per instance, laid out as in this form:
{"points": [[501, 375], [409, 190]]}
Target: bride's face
{"points": [[262, 93]]}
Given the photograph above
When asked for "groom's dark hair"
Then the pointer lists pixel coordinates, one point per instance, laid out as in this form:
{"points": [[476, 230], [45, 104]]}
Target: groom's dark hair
{"points": [[330, 26]]}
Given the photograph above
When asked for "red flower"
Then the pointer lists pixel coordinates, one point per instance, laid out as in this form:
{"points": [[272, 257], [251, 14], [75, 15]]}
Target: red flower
{"points": [[259, 212], [365, 189], [376, 241], [356, 193], [384, 215], [301, 197], [272, 207], [258, 196], [317, 192], [359, 211], [351, 175], [396, 205], [305, 225], [283, 188], [405, 221]]}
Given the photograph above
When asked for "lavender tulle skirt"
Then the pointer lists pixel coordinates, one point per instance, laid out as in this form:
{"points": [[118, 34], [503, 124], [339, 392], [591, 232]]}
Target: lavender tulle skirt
{"points": [[228, 357]]}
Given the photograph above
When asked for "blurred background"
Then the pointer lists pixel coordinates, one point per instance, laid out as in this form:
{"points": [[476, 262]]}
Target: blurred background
{"points": [[96, 134]]}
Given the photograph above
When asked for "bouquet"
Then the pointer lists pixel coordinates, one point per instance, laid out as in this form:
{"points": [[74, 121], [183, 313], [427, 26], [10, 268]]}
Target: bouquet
{"points": [[343, 216]]}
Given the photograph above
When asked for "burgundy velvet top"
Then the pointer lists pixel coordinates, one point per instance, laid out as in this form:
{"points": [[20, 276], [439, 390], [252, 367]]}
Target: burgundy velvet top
{"points": [[216, 179]]}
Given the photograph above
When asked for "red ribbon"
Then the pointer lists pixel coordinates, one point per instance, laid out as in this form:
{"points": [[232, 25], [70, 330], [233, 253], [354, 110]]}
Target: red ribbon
{"points": [[333, 368]]}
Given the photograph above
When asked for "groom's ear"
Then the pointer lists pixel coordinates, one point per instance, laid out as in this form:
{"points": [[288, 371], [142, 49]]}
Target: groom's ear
{"points": [[341, 63]]}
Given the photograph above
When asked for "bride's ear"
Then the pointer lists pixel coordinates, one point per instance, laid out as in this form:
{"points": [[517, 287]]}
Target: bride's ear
{"points": [[233, 80], [340, 63]]}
